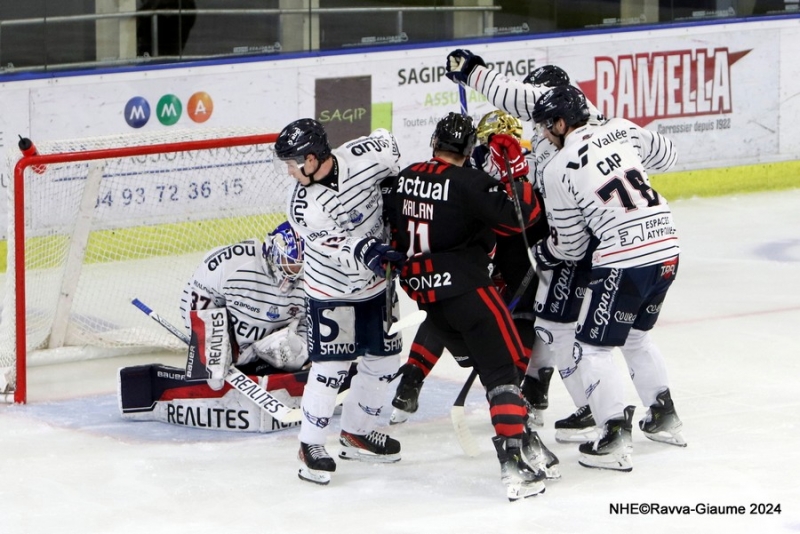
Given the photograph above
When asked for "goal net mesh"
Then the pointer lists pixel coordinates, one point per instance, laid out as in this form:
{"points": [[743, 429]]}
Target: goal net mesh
{"points": [[101, 232]]}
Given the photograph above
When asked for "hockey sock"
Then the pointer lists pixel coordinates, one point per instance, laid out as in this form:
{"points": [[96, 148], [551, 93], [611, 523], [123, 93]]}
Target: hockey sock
{"points": [[646, 366], [363, 405], [319, 399], [560, 340], [602, 382], [425, 350], [507, 410]]}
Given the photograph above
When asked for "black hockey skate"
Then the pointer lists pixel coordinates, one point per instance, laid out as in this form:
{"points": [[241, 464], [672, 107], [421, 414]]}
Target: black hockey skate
{"points": [[614, 448], [577, 428], [535, 393], [662, 423], [406, 398], [539, 457], [317, 464], [373, 447], [519, 479]]}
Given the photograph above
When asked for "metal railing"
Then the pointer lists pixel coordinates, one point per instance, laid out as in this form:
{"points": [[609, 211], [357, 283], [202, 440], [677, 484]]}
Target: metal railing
{"points": [[485, 11]]}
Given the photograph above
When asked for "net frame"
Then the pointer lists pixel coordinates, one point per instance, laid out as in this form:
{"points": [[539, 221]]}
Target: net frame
{"points": [[16, 389]]}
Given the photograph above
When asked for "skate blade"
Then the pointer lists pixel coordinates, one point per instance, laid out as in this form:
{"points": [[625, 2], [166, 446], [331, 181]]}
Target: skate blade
{"points": [[314, 476], [535, 419], [580, 435], [359, 455], [398, 417], [518, 492], [612, 462], [670, 438]]}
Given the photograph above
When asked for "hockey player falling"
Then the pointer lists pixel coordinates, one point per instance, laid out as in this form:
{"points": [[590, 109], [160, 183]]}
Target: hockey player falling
{"points": [[257, 287], [336, 206]]}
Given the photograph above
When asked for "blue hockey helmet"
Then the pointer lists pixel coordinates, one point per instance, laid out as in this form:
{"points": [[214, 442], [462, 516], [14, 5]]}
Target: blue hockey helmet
{"points": [[283, 251], [547, 75], [301, 138], [562, 102]]}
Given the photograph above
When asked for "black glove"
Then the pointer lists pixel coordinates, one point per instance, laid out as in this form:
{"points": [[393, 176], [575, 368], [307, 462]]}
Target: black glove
{"points": [[544, 258], [376, 255], [460, 64]]}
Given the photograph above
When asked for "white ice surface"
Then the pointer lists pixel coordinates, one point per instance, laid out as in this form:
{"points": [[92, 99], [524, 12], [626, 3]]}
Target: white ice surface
{"points": [[68, 464]]}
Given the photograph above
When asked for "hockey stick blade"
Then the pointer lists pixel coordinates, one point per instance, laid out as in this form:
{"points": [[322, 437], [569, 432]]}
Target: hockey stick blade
{"points": [[412, 319], [463, 434], [237, 379]]}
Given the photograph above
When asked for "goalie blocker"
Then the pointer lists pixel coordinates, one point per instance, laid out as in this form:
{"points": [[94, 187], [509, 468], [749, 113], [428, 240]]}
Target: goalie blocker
{"points": [[157, 392]]}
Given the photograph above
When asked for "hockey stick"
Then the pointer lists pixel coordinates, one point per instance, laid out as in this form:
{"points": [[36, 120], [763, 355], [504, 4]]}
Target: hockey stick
{"points": [[237, 379], [518, 210], [412, 319], [462, 96], [463, 435], [389, 297]]}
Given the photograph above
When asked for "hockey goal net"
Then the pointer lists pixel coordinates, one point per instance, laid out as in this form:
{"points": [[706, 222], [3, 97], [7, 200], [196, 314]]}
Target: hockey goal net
{"points": [[95, 223]]}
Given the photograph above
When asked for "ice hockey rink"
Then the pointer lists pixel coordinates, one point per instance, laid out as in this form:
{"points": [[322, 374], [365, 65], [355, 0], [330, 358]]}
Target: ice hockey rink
{"points": [[69, 464]]}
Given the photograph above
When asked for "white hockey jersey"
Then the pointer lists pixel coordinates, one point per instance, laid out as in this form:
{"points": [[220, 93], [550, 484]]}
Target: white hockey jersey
{"points": [[236, 277], [597, 185], [337, 212]]}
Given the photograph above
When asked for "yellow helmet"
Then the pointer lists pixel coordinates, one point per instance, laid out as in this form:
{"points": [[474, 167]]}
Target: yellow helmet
{"points": [[498, 121]]}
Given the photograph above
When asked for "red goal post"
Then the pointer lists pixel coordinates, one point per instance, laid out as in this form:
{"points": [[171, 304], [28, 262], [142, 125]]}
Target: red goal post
{"points": [[94, 223]]}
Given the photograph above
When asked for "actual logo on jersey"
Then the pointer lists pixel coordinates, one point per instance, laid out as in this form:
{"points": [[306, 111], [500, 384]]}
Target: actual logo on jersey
{"points": [[649, 86], [273, 312], [355, 217]]}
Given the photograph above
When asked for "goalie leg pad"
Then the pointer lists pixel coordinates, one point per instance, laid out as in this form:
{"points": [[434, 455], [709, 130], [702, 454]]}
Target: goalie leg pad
{"points": [[158, 392], [210, 353]]}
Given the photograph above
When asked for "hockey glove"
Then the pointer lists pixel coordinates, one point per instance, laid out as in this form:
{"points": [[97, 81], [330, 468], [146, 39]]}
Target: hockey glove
{"points": [[544, 258], [376, 255], [460, 64], [282, 349], [502, 145]]}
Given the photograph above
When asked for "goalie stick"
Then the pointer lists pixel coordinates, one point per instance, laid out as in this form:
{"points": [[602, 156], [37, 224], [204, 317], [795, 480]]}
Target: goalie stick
{"points": [[237, 379]]}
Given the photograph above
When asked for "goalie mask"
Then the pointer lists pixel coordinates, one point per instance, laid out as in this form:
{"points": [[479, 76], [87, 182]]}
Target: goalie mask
{"points": [[498, 122], [283, 252], [454, 133]]}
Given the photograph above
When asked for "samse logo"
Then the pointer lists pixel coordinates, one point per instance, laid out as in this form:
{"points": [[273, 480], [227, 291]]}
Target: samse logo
{"points": [[169, 109]]}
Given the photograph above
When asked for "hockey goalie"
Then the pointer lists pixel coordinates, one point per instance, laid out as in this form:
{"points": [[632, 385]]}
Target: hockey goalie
{"points": [[243, 306]]}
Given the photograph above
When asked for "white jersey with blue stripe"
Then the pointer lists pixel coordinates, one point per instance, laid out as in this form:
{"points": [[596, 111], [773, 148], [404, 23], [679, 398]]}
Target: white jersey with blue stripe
{"points": [[335, 213], [237, 278], [597, 185]]}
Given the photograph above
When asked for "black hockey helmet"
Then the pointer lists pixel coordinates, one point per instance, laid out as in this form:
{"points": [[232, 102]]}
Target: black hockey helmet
{"points": [[301, 138], [547, 75], [454, 133], [562, 102]]}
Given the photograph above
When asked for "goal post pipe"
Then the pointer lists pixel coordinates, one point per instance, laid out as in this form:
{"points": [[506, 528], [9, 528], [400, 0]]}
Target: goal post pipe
{"points": [[20, 386]]}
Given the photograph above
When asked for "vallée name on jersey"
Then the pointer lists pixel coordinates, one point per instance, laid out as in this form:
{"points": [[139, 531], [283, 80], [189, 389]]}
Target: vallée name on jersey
{"points": [[234, 277]]}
